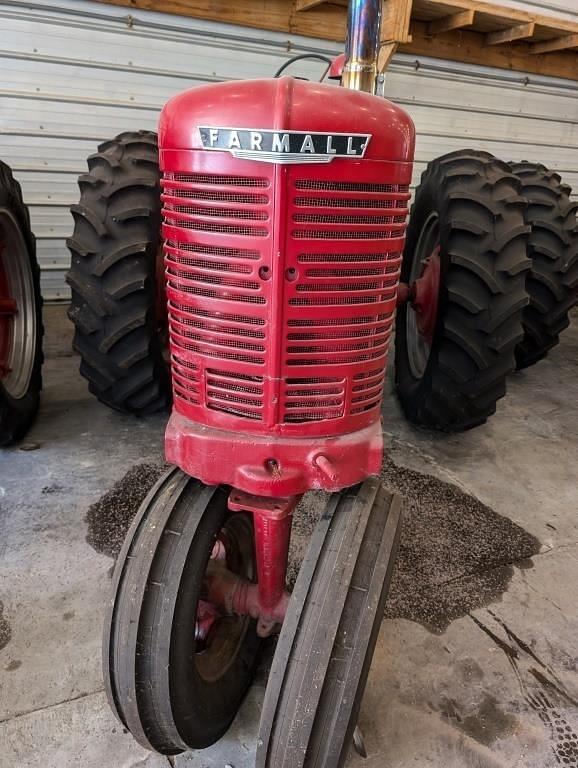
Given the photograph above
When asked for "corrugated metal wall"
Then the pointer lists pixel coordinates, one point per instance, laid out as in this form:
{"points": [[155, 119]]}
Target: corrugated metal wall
{"points": [[75, 73], [563, 9]]}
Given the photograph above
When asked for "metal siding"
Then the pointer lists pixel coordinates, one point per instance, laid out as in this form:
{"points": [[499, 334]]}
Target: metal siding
{"points": [[563, 9], [75, 74]]}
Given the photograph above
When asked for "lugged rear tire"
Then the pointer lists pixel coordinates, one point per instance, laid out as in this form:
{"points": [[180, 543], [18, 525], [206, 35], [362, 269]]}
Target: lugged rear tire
{"points": [[482, 251], [552, 282], [115, 303]]}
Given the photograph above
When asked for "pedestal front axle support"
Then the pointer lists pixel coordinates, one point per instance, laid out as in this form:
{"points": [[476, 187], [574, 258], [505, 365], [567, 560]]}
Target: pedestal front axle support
{"points": [[267, 600]]}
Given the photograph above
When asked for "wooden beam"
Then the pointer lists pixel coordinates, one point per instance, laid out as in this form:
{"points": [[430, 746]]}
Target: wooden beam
{"points": [[305, 5], [499, 11], [396, 20], [517, 32], [556, 44], [385, 55], [455, 21], [469, 47]]}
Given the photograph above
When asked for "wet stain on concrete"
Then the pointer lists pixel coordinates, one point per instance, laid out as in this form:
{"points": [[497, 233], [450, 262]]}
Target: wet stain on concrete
{"points": [[68, 615], [456, 554], [110, 517], [487, 724], [541, 688], [5, 629], [14, 665], [469, 670]]}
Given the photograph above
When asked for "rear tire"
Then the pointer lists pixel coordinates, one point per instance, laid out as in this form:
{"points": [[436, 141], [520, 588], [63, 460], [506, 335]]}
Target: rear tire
{"points": [[552, 283], [116, 305], [329, 634], [21, 333], [481, 235], [169, 693]]}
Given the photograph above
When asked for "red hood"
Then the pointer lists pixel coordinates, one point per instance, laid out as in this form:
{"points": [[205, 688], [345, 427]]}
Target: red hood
{"points": [[286, 104]]}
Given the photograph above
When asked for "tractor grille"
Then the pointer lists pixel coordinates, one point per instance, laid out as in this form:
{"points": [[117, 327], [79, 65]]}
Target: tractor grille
{"points": [[217, 308], [290, 334], [341, 307]]}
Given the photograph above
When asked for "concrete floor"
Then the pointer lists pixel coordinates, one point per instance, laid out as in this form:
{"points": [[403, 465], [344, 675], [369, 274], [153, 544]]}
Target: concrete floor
{"points": [[497, 688]]}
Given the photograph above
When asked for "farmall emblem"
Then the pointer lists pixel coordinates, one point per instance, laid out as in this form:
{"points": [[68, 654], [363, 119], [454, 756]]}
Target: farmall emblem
{"points": [[284, 146]]}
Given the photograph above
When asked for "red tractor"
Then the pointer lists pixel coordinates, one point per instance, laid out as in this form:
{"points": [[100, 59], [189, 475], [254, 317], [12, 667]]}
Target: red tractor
{"points": [[20, 314], [284, 206]]}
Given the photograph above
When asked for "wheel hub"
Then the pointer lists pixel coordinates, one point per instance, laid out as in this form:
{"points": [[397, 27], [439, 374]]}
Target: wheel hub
{"points": [[219, 628]]}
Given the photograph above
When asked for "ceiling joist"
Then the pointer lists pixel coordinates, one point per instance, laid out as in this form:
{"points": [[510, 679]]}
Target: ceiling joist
{"points": [[508, 35], [455, 21], [557, 44]]}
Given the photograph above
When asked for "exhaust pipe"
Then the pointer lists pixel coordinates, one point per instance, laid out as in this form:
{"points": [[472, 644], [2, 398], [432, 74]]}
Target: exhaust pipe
{"points": [[362, 45]]}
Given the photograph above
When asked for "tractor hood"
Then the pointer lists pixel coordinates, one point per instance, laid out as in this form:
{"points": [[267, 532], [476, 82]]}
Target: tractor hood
{"points": [[286, 120]]}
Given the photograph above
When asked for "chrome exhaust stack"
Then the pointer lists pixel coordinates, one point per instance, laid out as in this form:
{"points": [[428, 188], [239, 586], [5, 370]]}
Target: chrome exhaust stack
{"points": [[362, 45]]}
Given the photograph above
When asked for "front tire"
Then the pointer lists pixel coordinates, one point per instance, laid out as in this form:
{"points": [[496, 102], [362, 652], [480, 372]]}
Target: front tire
{"points": [[171, 690], [20, 314], [117, 306], [467, 209], [552, 282], [327, 640]]}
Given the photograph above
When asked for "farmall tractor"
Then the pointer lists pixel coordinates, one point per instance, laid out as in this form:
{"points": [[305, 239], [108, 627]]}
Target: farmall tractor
{"points": [[276, 279]]}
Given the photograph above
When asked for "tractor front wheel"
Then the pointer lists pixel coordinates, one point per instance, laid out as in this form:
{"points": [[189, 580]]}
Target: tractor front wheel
{"points": [[176, 665], [20, 314], [117, 305], [327, 640], [465, 263]]}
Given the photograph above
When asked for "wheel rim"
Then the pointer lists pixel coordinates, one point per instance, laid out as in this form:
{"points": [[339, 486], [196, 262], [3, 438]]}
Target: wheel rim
{"points": [[219, 635], [419, 342], [17, 309]]}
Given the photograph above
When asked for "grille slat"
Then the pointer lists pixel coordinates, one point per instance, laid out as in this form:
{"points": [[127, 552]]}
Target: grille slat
{"points": [[352, 186], [212, 250], [344, 202], [176, 192], [205, 264], [352, 234], [201, 225], [340, 218], [222, 213], [353, 258], [215, 179]]}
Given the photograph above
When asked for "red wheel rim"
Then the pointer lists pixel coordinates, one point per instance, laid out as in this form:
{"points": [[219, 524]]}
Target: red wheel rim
{"points": [[18, 313], [8, 309], [424, 288], [425, 295]]}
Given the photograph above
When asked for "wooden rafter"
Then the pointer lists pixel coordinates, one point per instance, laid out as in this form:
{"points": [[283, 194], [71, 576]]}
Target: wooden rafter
{"points": [[508, 35], [454, 21], [557, 44], [496, 36]]}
